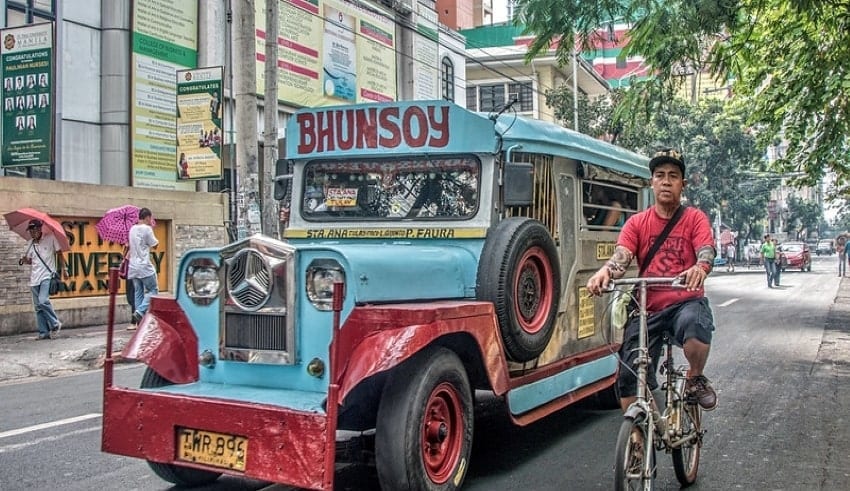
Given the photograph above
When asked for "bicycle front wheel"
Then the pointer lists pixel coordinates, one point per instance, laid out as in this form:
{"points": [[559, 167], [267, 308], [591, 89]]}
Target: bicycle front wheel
{"points": [[686, 457], [632, 452]]}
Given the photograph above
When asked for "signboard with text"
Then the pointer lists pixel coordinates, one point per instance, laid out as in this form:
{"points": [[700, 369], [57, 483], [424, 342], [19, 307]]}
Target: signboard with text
{"points": [[90, 258], [26, 56], [199, 123], [330, 52], [164, 40]]}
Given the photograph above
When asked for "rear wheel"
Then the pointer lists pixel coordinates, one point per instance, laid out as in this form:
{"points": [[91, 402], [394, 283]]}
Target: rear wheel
{"points": [[175, 474], [630, 459], [423, 436], [686, 457]]}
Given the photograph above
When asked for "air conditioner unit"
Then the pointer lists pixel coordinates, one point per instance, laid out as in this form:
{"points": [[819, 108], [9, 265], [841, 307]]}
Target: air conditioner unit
{"points": [[404, 6]]}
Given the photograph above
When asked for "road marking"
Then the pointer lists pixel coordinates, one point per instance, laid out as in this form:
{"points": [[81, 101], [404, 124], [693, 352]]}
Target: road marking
{"points": [[53, 438], [728, 302], [51, 424]]}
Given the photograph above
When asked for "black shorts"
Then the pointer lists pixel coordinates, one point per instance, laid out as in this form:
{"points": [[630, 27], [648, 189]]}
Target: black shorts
{"points": [[682, 321]]}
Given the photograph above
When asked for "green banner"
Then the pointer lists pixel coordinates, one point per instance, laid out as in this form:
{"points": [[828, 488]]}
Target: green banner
{"points": [[199, 129], [26, 56]]}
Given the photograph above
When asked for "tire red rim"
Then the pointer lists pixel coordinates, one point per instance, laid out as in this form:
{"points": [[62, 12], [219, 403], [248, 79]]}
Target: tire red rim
{"points": [[443, 428], [533, 290]]}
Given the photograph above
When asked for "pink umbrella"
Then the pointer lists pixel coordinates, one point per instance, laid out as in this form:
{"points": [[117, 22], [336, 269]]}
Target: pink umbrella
{"points": [[19, 220], [115, 224]]}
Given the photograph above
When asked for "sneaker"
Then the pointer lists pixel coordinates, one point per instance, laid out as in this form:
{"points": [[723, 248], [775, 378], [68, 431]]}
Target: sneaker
{"points": [[58, 327], [136, 318], [700, 388], [42, 337], [131, 327]]}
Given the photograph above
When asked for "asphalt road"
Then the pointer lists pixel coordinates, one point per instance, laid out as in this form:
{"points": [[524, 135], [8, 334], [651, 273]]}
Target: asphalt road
{"points": [[780, 362]]}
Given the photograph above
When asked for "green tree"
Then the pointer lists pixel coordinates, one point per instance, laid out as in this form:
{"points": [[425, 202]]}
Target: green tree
{"points": [[804, 217], [790, 60]]}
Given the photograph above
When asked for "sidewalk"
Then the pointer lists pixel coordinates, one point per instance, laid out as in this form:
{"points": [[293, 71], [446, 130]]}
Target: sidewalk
{"points": [[72, 350]]}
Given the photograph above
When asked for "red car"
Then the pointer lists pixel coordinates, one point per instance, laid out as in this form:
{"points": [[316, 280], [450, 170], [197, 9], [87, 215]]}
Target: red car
{"points": [[795, 255]]}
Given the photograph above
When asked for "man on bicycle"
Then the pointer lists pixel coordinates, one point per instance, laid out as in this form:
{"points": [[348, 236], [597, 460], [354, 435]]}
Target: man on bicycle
{"points": [[688, 252]]}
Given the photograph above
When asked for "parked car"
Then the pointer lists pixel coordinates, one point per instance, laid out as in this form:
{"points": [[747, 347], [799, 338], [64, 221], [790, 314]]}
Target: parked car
{"points": [[825, 247], [795, 255]]}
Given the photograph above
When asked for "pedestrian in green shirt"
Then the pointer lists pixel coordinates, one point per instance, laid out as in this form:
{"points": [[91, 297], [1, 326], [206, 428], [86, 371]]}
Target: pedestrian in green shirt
{"points": [[768, 256]]}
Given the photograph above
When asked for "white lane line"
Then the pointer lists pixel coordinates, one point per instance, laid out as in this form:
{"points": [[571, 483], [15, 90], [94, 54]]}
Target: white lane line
{"points": [[728, 302], [47, 439], [51, 424]]}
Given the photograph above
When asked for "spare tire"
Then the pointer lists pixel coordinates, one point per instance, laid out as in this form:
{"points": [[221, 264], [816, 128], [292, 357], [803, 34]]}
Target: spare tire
{"points": [[520, 274]]}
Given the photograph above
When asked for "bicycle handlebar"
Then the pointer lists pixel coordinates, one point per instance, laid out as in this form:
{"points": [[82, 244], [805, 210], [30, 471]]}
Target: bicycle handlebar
{"points": [[675, 281]]}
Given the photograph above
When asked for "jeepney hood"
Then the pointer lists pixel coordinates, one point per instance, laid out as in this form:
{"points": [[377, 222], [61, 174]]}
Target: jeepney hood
{"points": [[405, 271]]}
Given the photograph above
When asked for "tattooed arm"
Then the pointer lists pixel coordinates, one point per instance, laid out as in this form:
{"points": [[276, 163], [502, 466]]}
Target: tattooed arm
{"points": [[613, 269], [695, 275]]}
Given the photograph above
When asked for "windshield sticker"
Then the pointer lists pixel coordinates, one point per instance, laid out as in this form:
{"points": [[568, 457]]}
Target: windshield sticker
{"points": [[341, 197]]}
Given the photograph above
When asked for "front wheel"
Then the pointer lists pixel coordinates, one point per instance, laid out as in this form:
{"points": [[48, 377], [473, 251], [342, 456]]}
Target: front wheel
{"points": [[175, 474], [686, 457], [423, 435], [630, 460]]}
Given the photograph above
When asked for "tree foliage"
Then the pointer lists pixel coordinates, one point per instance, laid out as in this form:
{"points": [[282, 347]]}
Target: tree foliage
{"points": [[804, 217], [790, 60]]}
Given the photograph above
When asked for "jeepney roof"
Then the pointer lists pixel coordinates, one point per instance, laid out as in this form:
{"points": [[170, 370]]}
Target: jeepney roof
{"points": [[545, 137]]}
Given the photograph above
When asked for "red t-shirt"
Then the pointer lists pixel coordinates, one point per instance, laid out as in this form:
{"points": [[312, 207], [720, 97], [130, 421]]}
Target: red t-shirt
{"points": [[676, 254]]}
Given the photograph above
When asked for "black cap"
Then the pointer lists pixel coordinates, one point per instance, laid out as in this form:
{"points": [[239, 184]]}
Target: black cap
{"points": [[35, 223], [667, 156]]}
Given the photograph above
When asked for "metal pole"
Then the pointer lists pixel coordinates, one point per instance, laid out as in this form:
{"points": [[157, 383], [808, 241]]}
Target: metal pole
{"points": [[575, 88], [270, 213]]}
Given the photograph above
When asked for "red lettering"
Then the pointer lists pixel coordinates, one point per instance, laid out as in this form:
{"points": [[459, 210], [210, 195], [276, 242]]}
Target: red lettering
{"points": [[367, 128], [441, 127], [345, 129], [325, 133], [306, 124], [391, 126], [422, 124]]}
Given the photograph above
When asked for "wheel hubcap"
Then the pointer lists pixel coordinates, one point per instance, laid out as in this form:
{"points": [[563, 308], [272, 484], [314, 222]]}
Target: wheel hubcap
{"points": [[533, 291]]}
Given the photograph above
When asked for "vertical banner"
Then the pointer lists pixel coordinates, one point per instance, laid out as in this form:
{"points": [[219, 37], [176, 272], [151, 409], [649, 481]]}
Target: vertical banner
{"points": [[27, 72], [164, 40], [426, 55], [333, 52], [199, 129]]}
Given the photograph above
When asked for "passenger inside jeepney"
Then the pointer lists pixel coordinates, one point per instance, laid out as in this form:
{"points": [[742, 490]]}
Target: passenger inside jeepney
{"points": [[605, 207]]}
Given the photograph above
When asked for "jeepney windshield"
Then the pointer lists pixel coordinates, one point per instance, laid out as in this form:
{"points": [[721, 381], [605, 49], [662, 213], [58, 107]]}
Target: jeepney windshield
{"points": [[414, 188]]}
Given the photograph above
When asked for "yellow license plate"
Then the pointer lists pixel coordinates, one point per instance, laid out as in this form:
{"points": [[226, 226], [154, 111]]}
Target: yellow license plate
{"points": [[213, 449]]}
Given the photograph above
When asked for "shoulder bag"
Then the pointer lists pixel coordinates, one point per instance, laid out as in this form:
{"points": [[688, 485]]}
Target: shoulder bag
{"points": [[55, 281]]}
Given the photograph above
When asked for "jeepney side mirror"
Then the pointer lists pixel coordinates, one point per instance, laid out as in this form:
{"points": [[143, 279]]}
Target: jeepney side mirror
{"points": [[518, 184], [282, 180]]}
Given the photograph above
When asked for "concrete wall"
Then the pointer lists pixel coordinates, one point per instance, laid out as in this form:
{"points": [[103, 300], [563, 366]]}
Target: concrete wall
{"points": [[196, 220]]}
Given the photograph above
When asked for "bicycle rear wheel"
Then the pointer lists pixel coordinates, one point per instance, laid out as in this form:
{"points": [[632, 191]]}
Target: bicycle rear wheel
{"points": [[630, 458], [686, 457]]}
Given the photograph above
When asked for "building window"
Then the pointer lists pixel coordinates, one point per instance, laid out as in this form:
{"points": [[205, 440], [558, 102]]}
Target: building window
{"points": [[493, 97], [448, 75]]}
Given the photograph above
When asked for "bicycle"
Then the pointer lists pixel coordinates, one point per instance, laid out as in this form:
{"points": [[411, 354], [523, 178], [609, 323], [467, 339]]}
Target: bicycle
{"points": [[645, 429]]}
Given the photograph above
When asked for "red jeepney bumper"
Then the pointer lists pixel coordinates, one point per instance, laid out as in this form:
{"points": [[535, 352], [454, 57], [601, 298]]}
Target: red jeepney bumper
{"points": [[284, 446]]}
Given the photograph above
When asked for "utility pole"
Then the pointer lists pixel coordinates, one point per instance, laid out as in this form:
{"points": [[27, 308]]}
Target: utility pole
{"points": [[245, 88], [270, 213]]}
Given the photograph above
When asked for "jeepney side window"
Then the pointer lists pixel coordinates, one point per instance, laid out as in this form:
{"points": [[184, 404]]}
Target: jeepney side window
{"points": [[422, 188], [606, 206]]}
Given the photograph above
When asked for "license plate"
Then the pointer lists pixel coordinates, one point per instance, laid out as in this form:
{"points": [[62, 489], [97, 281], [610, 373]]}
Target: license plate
{"points": [[213, 449]]}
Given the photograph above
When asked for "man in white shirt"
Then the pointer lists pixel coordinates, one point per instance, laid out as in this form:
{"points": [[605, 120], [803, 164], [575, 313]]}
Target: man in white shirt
{"points": [[141, 270], [41, 254]]}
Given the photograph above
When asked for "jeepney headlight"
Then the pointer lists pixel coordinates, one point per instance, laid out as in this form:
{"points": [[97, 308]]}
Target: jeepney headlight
{"points": [[321, 276], [202, 281]]}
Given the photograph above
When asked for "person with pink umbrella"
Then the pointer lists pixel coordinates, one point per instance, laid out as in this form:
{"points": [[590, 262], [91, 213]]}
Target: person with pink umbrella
{"points": [[141, 270], [41, 254]]}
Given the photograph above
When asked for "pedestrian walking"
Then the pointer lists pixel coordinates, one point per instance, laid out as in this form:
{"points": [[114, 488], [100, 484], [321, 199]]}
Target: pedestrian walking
{"points": [[840, 243], [41, 255], [768, 257], [141, 270]]}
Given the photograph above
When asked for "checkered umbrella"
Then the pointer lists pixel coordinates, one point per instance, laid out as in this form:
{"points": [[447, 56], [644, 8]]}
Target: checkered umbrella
{"points": [[115, 224]]}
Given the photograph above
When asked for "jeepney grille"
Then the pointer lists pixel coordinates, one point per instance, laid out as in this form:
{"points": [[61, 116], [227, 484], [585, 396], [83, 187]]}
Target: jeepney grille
{"points": [[255, 331]]}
